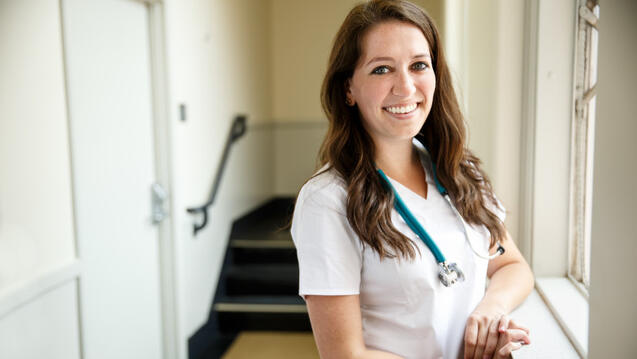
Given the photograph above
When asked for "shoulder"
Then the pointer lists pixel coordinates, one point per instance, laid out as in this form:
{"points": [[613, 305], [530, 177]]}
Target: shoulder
{"points": [[319, 224], [325, 190]]}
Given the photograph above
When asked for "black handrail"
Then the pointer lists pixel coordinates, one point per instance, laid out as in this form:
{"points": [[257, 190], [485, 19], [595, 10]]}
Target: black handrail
{"points": [[237, 130]]}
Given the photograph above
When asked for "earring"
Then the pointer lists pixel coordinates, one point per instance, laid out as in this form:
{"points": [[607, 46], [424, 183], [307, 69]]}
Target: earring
{"points": [[349, 101]]}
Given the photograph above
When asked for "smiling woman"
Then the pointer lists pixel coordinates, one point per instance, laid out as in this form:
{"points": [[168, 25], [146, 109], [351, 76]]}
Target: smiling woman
{"points": [[393, 93], [375, 279]]}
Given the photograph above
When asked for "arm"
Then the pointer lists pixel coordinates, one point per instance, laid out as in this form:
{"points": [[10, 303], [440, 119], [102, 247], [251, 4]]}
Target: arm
{"points": [[511, 281], [336, 323]]}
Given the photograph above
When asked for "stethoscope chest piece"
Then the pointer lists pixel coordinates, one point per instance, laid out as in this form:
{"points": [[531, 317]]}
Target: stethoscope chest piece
{"points": [[449, 273]]}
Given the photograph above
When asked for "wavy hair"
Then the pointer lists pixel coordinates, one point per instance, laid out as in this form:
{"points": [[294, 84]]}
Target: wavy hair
{"points": [[349, 149]]}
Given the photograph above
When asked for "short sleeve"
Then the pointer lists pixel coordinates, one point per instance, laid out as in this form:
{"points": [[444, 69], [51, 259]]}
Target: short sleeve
{"points": [[328, 250], [498, 209]]}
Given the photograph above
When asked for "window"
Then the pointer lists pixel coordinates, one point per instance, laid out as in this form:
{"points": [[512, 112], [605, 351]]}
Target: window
{"points": [[558, 156], [582, 140]]}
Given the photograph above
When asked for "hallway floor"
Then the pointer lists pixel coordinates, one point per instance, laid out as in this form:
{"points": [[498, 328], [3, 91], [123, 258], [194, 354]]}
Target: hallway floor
{"points": [[271, 345]]}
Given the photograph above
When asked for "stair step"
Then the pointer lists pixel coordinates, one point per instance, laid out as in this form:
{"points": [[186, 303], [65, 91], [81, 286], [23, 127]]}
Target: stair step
{"points": [[262, 279], [260, 308], [274, 313], [262, 243], [262, 300], [264, 272], [246, 251]]}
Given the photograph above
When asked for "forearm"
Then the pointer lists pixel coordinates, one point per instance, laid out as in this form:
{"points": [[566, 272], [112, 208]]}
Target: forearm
{"points": [[360, 354], [509, 286]]}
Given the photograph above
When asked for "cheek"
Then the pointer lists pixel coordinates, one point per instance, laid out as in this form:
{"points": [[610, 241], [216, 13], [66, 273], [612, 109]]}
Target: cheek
{"points": [[374, 92], [430, 84]]}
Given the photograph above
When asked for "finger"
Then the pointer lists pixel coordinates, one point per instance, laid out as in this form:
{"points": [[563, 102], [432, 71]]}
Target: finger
{"points": [[470, 338], [502, 341], [516, 335], [492, 340], [506, 350], [504, 323], [515, 325], [483, 334]]}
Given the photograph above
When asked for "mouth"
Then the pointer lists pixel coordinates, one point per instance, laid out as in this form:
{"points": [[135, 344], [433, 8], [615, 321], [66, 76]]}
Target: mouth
{"points": [[402, 109]]}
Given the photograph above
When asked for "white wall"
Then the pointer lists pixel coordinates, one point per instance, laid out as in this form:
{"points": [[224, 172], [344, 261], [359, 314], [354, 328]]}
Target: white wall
{"points": [[46, 327], [218, 65], [38, 294], [613, 312], [36, 214]]}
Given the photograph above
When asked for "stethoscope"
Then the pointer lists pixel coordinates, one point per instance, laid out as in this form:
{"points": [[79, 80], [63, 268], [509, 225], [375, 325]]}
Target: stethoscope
{"points": [[448, 273]]}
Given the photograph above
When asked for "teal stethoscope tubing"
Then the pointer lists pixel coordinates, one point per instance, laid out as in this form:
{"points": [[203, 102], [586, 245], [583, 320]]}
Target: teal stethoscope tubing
{"points": [[412, 222], [417, 228]]}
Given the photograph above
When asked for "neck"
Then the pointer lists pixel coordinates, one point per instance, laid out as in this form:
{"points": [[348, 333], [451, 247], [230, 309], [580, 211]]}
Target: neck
{"points": [[396, 158]]}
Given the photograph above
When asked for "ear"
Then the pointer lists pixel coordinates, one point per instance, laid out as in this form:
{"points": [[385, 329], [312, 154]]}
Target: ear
{"points": [[349, 97]]}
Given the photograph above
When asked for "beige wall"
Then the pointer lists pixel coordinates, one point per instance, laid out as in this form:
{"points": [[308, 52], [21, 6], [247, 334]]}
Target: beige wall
{"points": [[613, 291], [484, 45], [301, 36], [505, 156], [301, 40]]}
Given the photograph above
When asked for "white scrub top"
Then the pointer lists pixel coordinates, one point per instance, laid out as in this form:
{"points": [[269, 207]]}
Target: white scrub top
{"points": [[405, 309]]}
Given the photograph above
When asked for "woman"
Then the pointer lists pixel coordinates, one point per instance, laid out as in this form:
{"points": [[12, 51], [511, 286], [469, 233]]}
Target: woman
{"points": [[373, 287]]}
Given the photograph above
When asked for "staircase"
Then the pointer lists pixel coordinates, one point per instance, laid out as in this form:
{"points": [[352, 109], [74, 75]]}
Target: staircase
{"points": [[258, 284]]}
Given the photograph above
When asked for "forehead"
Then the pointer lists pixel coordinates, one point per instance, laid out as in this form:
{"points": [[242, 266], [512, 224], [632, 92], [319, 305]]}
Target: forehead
{"points": [[395, 39]]}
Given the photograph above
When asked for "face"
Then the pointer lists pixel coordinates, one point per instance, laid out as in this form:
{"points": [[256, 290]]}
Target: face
{"points": [[393, 82]]}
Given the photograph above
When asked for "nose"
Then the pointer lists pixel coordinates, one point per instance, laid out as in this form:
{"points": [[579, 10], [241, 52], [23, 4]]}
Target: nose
{"points": [[404, 84]]}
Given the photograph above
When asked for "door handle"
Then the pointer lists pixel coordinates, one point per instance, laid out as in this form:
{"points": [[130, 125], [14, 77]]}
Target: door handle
{"points": [[159, 196]]}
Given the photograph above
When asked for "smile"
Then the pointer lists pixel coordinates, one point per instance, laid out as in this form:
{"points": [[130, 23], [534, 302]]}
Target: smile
{"points": [[399, 110]]}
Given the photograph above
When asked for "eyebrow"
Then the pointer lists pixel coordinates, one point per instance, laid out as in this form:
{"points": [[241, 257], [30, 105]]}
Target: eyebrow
{"points": [[377, 59]]}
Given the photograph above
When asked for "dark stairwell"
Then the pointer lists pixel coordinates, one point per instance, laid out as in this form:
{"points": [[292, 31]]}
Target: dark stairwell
{"points": [[258, 285]]}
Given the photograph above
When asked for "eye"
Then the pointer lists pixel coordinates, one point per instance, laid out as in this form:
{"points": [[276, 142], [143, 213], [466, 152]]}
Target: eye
{"points": [[380, 70], [420, 66]]}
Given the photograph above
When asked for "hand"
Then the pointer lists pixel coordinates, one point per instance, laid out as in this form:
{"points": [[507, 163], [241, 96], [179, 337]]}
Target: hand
{"points": [[488, 329], [512, 337]]}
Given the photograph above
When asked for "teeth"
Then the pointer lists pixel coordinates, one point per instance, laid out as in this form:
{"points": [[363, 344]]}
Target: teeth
{"points": [[402, 109]]}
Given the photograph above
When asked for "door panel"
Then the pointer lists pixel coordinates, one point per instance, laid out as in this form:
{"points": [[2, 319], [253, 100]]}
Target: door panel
{"points": [[110, 103]]}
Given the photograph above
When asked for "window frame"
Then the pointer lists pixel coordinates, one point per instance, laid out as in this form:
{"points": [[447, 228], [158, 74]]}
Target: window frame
{"points": [[548, 113], [582, 143]]}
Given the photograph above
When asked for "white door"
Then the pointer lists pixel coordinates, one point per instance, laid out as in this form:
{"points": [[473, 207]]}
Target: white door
{"points": [[111, 119]]}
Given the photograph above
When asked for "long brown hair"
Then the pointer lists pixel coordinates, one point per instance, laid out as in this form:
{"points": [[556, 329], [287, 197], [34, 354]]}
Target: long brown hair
{"points": [[349, 149]]}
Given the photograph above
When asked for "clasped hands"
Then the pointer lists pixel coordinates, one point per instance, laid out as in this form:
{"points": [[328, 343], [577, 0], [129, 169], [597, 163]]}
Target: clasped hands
{"points": [[490, 333]]}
